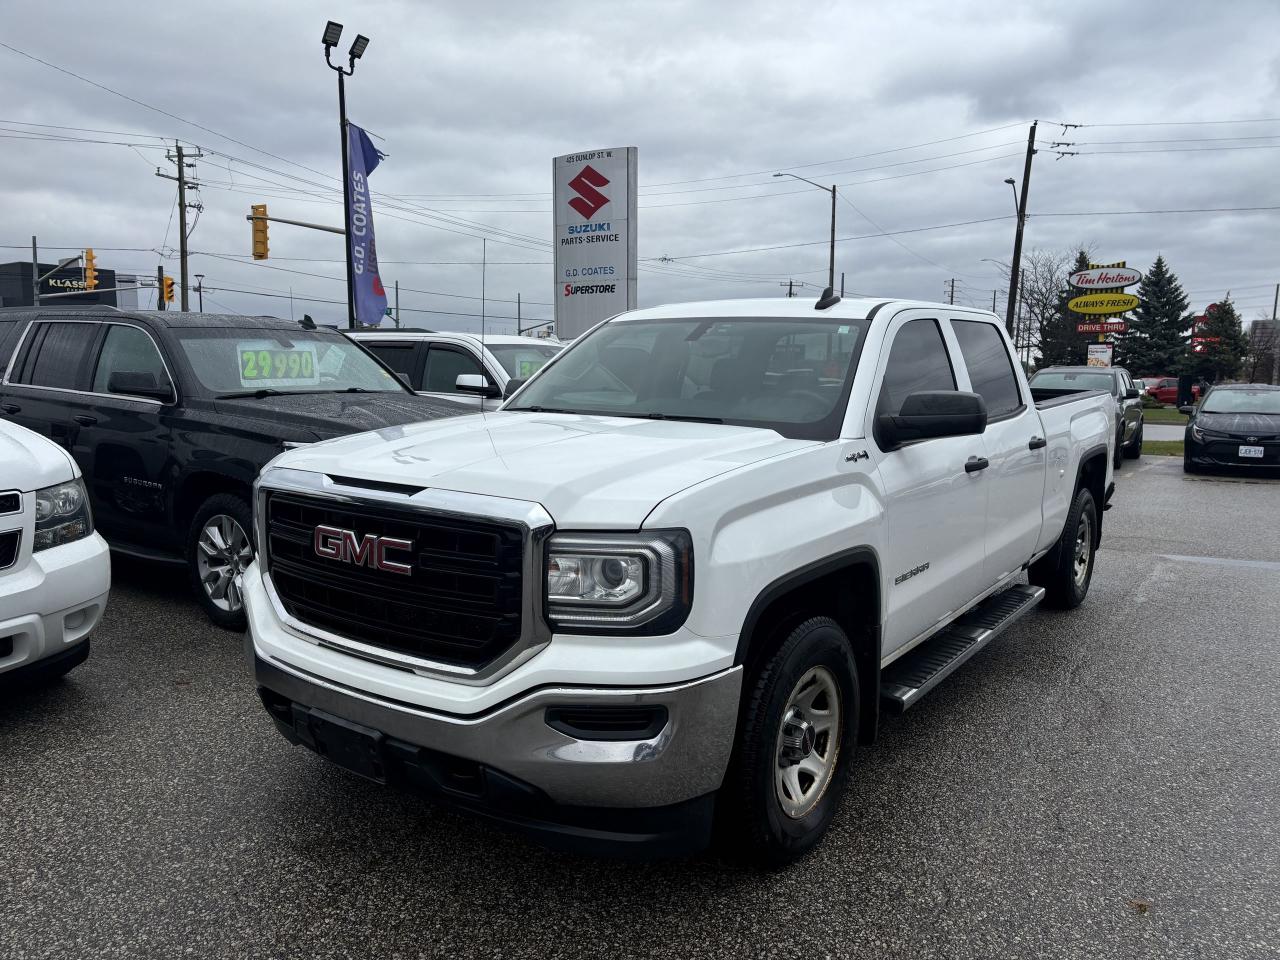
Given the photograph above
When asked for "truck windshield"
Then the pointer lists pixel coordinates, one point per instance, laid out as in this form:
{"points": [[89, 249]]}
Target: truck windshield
{"points": [[233, 361], [1050, 380], [522, 361], [792, 376], [1242, 401]]}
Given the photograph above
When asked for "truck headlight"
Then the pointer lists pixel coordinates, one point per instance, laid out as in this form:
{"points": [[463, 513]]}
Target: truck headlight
{"points": [[62, 515], [619, 582]]}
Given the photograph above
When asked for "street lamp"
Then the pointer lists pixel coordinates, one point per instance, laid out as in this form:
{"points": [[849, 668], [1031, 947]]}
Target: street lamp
{"points": [[1014, 187], [831, 268], [332, 33]]}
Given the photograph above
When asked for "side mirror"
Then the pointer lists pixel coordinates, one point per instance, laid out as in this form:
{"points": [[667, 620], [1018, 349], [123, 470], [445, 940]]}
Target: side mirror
{"points": [[512, 386], [139, 384], [475, 383], [932, 413], [1190, 411], [404, 378], [1132, 393]]}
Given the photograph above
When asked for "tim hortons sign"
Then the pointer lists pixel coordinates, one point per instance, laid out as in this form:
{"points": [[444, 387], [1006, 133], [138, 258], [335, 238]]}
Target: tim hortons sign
{"points": [[1104, 278]]}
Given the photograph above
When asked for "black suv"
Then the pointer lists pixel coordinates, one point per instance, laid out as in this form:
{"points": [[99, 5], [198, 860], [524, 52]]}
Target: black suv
{"points": [[171, 416]]}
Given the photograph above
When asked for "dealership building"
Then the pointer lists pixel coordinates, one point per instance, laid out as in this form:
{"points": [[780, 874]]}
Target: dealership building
{"points": [[15, 287]]}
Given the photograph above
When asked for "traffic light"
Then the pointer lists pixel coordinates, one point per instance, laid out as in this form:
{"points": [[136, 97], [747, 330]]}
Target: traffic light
{"points": [[259, 230], [167, 292], [90, 269]]}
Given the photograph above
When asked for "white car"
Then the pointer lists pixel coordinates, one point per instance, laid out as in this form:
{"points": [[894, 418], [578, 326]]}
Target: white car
{"points": [[55, 573], [682, 571], [461, 367]]}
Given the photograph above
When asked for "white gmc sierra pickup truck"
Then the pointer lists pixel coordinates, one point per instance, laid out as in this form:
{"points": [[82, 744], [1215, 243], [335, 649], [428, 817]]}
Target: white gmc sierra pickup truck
{"points": [[678, 576]]}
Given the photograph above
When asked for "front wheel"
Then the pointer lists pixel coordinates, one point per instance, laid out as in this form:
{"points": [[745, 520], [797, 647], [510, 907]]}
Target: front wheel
{"points": [[1066, 571], [1134, 450], [795, 745], [219, 547]]}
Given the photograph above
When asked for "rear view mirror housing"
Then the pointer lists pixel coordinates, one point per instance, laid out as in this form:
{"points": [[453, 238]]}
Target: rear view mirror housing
{"points": [[139, 383], [1132, 393], [1189, 410], [512, 386], [928, 414], [477, 384]]}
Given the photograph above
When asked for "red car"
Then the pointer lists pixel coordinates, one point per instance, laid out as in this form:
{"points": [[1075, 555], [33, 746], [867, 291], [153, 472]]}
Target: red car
{"points": [[1165, 389]]}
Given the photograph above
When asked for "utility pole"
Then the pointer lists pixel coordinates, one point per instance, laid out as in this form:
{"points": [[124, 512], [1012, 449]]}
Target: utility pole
{"points": [[993, 300], [181, 158], [951, 295], [842, 283], [1275, 338], [518, 317], [831, 269], [397, 304], [35, 273], [484, 264], [200, 290], [1016, 263], [160, 287]]}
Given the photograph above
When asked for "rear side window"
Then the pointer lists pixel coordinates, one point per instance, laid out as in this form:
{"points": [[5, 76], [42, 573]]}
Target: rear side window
{"points": [[990, 369], [9, 332], [400, 357], [444, 367], [917, 361], [128, 350], [59, 355]]}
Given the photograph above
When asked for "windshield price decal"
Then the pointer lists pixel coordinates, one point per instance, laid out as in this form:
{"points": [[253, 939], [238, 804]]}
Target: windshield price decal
{"points": [[267, 364]]}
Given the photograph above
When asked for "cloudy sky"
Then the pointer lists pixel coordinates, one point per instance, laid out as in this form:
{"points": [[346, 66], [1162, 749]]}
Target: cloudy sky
{"points": [[917, 110]]}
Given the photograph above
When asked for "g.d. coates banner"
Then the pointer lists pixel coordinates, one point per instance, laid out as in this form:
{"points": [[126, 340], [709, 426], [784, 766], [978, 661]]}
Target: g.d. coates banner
{"points": [[595, 237], [371, 297]]}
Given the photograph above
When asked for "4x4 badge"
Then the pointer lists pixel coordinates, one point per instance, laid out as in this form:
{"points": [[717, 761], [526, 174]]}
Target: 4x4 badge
{"points": [[856, 456]]}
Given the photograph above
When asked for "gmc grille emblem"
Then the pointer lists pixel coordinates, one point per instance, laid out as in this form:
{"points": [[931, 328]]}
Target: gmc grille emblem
{"points": [[335, 543]]}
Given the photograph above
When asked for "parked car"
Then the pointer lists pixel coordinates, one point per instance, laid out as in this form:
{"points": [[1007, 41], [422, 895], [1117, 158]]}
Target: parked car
{"points": [[678, 576], [1165, 389], [459, 366], [1235, 425], [55, 573], [1117, 382], [171, 416], [1140, 385]]}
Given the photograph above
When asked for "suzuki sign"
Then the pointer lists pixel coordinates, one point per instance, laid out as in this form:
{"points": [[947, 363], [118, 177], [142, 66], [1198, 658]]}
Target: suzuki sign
{"points": [[595, 237]]}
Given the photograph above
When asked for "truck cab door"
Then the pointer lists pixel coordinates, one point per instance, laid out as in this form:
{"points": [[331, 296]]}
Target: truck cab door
{"points": [[935, 508], [1015, 447], [124, 452]]}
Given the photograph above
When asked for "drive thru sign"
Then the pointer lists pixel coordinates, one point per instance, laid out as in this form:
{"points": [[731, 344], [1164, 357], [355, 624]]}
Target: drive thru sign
{"points": [[595, 237]]}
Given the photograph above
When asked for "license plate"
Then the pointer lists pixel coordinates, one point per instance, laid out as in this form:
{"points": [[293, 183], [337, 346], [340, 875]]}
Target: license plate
{"points": [[349, 745], [1251, 452]]}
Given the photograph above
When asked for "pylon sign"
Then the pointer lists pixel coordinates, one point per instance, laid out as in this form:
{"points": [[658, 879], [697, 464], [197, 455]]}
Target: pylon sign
{"points": [[595, 237], [1106, 299]]}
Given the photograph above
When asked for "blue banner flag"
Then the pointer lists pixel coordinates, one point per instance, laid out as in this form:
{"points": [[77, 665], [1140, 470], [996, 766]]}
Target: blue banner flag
{"points": [[370, 296]]}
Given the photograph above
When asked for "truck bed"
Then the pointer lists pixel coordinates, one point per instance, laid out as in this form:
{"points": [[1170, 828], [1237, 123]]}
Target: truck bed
{"points": [[1045, 397]]}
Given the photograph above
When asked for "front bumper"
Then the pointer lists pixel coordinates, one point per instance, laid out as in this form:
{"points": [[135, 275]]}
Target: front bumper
{"points": [[50, 602], [510, 764], [1225, 452]]}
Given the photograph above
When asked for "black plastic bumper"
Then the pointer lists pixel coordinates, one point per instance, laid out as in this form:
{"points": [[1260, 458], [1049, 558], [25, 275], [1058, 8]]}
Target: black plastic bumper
{"points": [[47, 668], [646, 832]]}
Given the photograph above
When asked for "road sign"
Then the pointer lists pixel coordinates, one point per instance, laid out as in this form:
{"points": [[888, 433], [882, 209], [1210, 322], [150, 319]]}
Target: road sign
{"points": [[1103, 303], [1105, 326]]}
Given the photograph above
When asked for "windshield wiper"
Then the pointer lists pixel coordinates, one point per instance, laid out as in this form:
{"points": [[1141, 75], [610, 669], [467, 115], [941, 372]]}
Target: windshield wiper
{"points": [[256, 394], [537, 409], [680, 416]]}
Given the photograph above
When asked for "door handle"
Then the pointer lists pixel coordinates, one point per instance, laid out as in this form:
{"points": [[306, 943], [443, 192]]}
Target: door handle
{"points": [[84, 419], [1035, 443], [10, 407], [974, 464]]}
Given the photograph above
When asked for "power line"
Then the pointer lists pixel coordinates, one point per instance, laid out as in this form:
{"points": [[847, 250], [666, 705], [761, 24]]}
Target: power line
{"points": [[1174, 123]]}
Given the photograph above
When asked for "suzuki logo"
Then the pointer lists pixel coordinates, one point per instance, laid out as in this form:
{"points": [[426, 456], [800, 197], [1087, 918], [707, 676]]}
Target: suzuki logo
{"points": [[334, 543], [589, 200]]}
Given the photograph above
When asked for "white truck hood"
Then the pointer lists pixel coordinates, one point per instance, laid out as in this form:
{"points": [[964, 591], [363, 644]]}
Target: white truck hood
{"points": [[29, 461], [588, 472]]}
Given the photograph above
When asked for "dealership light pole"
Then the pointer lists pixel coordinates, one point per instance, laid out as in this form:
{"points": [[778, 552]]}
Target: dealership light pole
{"points": [[1020, 203], [831, 268], [332, 33]]}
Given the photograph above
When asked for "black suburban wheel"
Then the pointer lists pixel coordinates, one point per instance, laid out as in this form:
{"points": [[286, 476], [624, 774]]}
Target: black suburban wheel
{"points": [[1066, 571], [796, 741], [219, 547], [1134, 450]]}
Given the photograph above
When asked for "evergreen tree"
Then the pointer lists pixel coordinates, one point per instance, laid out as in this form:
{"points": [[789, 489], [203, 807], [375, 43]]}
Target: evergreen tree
{"points": [[1156, 341], [1225, 344], [1060, 344]]}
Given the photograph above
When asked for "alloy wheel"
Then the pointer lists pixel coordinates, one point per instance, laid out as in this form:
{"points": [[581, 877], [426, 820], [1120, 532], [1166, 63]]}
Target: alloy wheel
{"points": [[1083, 551], [223, 552]]}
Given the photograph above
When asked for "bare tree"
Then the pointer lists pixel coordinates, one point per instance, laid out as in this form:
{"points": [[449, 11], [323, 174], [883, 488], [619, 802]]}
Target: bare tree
{"points": [[1042, 277], [1259, 357]]}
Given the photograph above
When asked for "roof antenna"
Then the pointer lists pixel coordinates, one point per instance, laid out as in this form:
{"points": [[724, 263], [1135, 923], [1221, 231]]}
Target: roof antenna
{"points": [[306, 323], [829, 298]]}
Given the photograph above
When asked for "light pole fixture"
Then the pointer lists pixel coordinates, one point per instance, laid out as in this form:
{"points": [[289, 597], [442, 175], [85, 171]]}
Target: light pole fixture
{"points": [[332, 33], [200, 290], [1014, 186], [831, 263]]}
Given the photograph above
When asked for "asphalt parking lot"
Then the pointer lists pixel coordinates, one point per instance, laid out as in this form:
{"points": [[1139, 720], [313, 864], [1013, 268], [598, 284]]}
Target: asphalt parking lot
{"points": [[1104, 783]]}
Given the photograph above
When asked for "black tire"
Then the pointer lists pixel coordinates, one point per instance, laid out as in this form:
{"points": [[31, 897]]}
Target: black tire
{"points": [[228, 610], [1118, 454], [1134, 450], [1057, 570], [1187, 465], [753, 824]]}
